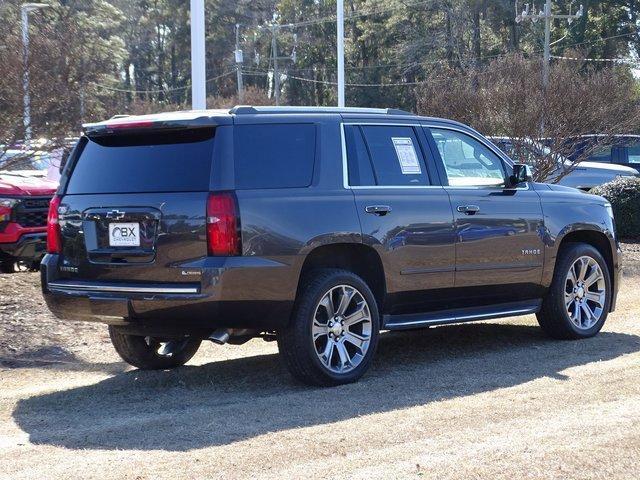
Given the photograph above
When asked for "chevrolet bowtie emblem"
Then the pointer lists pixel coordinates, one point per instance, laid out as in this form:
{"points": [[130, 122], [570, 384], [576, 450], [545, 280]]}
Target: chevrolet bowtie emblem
{"points": [[115, 215]]}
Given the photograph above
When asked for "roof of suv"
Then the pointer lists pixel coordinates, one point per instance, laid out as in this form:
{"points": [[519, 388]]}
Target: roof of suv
{"points": [[218, 116]]}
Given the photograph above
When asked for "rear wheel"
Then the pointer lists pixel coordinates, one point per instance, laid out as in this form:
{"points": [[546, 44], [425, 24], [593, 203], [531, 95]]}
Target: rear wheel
{"points": [[579, 298], [7, 266], [151, 353], [333, 332]]}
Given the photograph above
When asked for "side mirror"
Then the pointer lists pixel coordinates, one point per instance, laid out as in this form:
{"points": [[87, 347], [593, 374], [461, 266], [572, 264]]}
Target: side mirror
{"points": [[521, 174]]}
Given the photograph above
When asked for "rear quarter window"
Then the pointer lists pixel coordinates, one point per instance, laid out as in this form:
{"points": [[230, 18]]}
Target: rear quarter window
{"points": [[274, 155]]}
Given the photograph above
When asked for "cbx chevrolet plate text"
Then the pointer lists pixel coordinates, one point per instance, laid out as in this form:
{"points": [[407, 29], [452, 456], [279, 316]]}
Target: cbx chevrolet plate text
{"points": [[318, 227]]}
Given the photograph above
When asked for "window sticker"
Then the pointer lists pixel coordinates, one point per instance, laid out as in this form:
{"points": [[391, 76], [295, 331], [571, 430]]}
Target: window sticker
{"points": [[407, 156]]}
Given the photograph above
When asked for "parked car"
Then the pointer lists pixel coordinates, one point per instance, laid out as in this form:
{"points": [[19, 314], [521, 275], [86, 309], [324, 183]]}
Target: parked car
{"points": [[624, 150], [318, 228], [584, 176], [25, 193]]}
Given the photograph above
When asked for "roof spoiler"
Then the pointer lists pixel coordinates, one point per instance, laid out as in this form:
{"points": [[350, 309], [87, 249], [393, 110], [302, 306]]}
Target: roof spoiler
{"points": [[130, 124]]}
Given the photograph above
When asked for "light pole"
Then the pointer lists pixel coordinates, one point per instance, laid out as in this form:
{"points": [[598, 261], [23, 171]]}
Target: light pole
{"points": [[340, 42], [198, 56], [26, 8]]}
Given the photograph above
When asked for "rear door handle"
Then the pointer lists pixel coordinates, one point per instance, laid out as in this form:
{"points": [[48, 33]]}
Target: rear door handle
{"points": [[380, 210], [468, 209]]}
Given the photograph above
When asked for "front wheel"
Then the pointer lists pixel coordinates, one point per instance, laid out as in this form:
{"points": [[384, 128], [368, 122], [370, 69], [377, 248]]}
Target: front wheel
{"points": [[333, 332], [151, 353], [579, 298]]}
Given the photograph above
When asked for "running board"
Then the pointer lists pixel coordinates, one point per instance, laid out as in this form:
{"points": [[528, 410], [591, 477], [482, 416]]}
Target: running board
{"points": [[460, 315]]}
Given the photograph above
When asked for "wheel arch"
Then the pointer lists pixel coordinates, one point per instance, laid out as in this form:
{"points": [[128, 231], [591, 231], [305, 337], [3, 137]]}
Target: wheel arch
{"points": [[358, 258], [599, 240]]}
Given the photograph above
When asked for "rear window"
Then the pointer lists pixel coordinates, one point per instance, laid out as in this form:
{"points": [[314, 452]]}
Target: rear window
{"points": [[274, 155], [152, 162]]}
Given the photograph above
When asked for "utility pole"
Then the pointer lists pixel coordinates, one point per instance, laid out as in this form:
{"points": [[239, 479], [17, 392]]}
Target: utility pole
{"points": [[239, 59], [548, 17], [340, 43], [276, 74], [26, 117], [198, 57], [275, 28]]}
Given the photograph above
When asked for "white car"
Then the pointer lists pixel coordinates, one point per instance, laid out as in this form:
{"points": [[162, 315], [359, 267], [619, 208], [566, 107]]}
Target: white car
{"points": [[584, 176]]}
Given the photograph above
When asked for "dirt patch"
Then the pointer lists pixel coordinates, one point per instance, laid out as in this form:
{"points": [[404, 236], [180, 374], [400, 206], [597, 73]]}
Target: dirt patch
{"points": [[28, 331]]}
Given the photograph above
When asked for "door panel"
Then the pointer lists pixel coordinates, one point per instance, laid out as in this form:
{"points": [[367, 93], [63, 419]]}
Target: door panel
{"points": [[415, 239], [499, 231], [406, 219], [502, 243]]}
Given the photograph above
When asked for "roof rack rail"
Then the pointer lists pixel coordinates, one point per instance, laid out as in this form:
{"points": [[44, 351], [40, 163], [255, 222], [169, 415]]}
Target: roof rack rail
{"points": [[251, 110]]}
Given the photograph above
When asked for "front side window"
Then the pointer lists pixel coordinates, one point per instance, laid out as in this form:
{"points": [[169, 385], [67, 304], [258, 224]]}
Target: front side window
{"points": [[634, 153], [467, 161], [601, 154], [385, 156]]}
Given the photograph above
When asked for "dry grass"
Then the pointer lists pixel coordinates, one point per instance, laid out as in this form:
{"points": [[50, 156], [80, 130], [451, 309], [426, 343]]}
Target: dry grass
{"points": [[489, 400]]}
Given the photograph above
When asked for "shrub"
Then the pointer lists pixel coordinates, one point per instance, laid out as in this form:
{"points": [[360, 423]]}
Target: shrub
{"points": [[624, 195]]}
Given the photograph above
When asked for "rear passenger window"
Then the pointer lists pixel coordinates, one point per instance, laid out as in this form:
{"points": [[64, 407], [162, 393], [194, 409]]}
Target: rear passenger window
{"points": [[274, 155], [384, 155], [360, 169]]}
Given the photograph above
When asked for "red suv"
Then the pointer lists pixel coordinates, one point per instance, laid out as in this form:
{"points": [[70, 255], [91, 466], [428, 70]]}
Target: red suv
{"points": [[24, 202]]}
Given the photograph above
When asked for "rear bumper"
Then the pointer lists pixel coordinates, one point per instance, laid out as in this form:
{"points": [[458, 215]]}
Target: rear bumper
{"points": [[29, 247], [235, 292]]}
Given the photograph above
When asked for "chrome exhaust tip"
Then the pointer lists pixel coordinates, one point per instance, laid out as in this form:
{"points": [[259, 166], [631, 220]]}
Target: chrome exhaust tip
{"points": [[220, 336]]}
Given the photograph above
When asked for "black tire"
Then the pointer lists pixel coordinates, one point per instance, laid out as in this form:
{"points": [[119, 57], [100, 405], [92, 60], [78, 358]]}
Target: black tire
{"points": [[7, 267], [553, 316], [296, 344], [142, 352]]}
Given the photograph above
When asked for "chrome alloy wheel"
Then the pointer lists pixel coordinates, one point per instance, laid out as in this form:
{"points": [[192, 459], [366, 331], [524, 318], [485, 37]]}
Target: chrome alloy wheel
{"points": [[342, 329], [585, 293]]}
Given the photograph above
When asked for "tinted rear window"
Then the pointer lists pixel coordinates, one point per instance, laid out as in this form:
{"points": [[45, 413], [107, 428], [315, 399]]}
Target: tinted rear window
{"points": [[152, 162], [274, 155]]}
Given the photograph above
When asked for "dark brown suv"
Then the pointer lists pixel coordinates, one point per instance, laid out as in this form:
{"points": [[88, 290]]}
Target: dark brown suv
{"points": [[318, 227]]}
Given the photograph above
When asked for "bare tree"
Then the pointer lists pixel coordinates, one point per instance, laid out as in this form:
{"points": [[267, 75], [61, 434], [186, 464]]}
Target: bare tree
{"points": [[508, 100]]}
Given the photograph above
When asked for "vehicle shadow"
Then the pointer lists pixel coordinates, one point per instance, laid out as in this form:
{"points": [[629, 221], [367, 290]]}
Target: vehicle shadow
{"points": [[224, 402], [57, 358]]}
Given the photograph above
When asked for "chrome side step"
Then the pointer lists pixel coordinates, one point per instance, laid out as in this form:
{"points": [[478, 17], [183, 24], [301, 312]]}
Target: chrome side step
{"points": [[460, 315]]}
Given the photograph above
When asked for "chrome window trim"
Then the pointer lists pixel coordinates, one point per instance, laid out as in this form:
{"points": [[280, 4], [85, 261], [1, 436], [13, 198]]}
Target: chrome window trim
{"points": [[345, 168]]}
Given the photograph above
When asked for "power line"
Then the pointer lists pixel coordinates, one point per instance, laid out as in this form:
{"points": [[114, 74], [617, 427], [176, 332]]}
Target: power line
{"points": [[164, 90], [259, 73], [333, 18], [612, 60]]}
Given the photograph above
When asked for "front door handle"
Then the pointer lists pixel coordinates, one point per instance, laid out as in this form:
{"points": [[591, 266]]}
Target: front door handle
{"points": [[380, 210], [468, 209]]}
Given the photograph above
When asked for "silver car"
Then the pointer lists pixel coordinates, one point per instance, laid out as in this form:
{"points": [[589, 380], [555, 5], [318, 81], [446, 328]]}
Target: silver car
{"points": [[584, 176]]}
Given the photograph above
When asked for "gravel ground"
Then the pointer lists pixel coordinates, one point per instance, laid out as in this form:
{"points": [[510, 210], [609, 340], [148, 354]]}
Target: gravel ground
{"points": [[489, 400]]}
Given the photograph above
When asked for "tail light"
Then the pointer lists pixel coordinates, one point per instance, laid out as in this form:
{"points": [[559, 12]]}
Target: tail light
{"points": [[223, 225], [54, 236]]}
